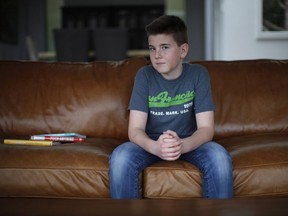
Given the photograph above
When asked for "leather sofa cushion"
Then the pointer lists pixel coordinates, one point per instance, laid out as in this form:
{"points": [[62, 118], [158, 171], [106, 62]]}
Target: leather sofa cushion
{"points": [[250, 96], [260, 164], [67, 170], [50, 97], [260, 167]]}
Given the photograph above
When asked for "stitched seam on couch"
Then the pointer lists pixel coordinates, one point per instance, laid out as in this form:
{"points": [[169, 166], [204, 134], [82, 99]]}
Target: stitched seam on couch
{"points": [[260, 165]]}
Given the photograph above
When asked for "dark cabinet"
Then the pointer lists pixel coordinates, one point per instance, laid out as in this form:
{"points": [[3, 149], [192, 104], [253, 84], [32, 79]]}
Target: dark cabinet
{"points": [[133, 18]]}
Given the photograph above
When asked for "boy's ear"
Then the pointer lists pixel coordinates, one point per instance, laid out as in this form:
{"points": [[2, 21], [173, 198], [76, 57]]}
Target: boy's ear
{"points": [[184, 50]]}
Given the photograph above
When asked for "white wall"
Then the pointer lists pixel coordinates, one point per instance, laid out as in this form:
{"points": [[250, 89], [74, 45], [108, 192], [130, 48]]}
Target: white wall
{"points": [[235, 33]]}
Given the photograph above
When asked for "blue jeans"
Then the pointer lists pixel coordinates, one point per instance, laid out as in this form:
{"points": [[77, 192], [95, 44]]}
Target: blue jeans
{"points": [[128, 160]]}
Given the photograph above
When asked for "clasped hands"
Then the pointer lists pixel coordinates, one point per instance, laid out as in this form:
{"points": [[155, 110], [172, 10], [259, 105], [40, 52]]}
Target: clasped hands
{"points": [[170, 146]]}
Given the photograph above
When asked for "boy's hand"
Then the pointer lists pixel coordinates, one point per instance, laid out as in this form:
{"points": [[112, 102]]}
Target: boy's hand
{"points": [[170, 146]]}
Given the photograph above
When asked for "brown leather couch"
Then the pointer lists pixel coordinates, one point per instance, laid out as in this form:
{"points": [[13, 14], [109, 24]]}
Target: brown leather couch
{"points": [[251, 98]]}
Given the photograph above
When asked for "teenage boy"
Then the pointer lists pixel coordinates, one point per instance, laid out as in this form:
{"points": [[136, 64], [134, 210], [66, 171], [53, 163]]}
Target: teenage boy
{"points": [[171, 118]]}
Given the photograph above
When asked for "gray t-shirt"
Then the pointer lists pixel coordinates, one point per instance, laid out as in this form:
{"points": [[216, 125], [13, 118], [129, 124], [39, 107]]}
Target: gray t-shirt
{"points": [[172, 104]]}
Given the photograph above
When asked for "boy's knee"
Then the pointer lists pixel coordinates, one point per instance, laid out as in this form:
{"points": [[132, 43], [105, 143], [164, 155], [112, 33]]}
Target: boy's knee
{"points": [[118, 156], [221, 157]]}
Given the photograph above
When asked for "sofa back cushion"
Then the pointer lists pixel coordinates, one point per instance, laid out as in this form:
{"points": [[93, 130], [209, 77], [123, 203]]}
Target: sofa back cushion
{"points": [[88, 98], [251, 96]]}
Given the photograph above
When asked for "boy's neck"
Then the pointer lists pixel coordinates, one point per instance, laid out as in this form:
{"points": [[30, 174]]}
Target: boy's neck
{"points": [[174, 74]]}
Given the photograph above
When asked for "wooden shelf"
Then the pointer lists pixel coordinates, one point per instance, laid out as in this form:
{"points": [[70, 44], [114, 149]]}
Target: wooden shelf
{"points": [[51, 55]]}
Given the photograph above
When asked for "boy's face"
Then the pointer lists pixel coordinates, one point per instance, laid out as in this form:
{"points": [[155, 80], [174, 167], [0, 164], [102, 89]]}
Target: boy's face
{"points": [[166, 56]]}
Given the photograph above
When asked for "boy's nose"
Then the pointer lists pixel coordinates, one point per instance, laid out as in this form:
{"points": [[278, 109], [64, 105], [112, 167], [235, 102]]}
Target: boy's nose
{"points": [[158, 53]]}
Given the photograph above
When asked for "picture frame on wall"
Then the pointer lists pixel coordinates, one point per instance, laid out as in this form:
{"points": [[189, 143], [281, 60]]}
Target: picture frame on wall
{"points": [[272, 19]]}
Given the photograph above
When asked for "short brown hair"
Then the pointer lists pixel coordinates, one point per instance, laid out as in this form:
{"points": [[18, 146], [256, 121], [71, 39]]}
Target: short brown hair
{"points": [[169, 24]]}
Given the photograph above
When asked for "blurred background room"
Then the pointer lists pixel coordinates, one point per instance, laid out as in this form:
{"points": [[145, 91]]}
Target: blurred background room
{"points": [[89, 30]]}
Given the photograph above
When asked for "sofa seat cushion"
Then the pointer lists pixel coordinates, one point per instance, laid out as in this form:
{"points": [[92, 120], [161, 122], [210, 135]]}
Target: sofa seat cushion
{"points": [[257, 160], [172, 179], [67, 170], [260, 164], [81, 170]]}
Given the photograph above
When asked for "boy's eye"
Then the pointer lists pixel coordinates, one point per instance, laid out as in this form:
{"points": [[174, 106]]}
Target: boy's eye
{"points": [[151, 48], [164, 47]]}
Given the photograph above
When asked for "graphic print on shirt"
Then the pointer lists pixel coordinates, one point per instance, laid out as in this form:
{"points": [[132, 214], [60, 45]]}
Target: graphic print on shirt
{"points": [[163, 100]]}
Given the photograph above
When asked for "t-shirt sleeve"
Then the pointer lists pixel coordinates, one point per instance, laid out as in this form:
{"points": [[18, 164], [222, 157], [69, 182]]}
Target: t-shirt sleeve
{"points": [[203, 96], [139, 97]]}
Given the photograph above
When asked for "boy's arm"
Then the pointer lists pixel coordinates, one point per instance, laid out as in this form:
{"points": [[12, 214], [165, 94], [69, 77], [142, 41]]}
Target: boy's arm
{"points": [[203, 134], [136, 130]]}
